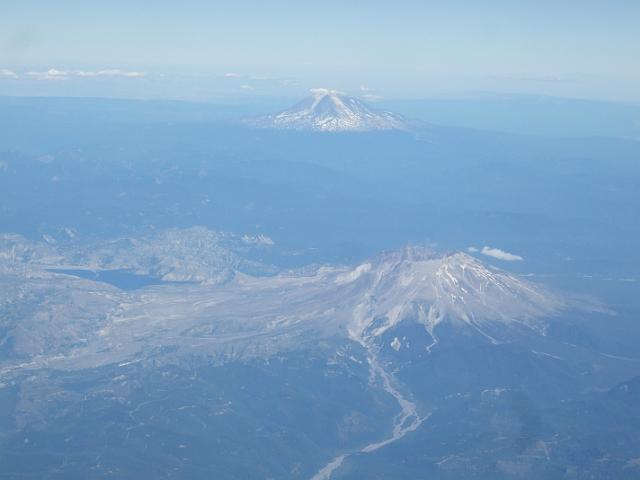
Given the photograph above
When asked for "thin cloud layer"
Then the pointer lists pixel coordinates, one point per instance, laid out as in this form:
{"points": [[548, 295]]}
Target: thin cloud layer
{"points": [[109, 73], [51, 74], [6, 73], [55, 74]]}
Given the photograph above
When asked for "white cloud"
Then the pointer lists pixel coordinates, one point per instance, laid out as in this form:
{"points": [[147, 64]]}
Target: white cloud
{"points": [[232, 75], [325, 91], [500, 254], [472, 250], [55, 74], [114, 72], [6, 73], [246, 87], [51, 74]]}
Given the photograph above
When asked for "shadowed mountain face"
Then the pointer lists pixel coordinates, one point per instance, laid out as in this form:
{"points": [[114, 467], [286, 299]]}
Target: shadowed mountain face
{"points": [[330, 111]]}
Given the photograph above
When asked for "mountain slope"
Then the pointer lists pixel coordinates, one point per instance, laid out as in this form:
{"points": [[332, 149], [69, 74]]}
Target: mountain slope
{"points": [[331, 111], [429, 288], [411, 287]]}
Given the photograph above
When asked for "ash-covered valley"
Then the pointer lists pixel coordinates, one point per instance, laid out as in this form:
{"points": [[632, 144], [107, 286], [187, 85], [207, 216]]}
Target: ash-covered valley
{"points": [[345, 361]]}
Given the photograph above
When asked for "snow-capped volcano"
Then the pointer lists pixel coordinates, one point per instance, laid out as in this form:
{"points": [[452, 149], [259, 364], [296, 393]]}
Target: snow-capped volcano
{"points": [[429, 288], [412, 288], [331, 111]]}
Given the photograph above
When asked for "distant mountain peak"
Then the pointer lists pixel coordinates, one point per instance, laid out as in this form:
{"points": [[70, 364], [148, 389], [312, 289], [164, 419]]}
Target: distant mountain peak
{"points": [[327, 110]]}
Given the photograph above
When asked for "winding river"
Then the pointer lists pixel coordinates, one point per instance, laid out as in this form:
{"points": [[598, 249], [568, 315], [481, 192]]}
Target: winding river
{"points": [[407, 420]]}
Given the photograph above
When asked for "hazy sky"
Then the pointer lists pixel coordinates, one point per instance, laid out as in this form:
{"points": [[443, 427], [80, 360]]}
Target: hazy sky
{"points": [[405, 48]]}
